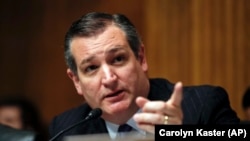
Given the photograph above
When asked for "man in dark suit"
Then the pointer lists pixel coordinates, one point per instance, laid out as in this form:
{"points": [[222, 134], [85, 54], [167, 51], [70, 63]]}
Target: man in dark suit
{"points": [[107, 64]]}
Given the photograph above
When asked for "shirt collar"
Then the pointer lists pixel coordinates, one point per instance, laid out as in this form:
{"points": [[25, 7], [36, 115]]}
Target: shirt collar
{"points": [[113, 128]]}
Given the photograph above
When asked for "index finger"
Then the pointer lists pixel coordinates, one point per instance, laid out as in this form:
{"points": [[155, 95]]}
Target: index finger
{"points": [[176, 97]]}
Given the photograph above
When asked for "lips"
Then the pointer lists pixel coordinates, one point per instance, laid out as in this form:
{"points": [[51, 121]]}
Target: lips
{"points": [[114, 97], [114, 94]]}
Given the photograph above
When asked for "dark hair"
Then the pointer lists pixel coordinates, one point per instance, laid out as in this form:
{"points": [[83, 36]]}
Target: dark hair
{"points": [[246, 99], [95, 23]]}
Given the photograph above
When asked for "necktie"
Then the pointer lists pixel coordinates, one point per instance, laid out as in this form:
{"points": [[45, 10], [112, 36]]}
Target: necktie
{"points": [[124, 128]]}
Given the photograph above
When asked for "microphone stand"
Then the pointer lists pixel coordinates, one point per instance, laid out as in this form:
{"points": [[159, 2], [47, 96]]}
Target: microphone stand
{"points": [[92, 115]]}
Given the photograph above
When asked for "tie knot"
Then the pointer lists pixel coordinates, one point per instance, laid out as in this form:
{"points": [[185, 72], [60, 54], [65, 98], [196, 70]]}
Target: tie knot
{"points": [[124, 128]]}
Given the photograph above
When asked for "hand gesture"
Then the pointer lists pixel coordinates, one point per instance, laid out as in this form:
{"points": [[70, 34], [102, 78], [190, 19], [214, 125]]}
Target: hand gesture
{"points": [[160, 112]]}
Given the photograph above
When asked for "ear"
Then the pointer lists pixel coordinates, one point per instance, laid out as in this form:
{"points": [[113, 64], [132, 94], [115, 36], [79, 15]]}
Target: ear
{"points": [[142, 58], [75, 80]]}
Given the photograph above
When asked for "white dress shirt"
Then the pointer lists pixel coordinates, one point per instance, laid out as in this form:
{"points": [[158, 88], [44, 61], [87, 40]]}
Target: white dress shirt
{"points": [[113, 128]]}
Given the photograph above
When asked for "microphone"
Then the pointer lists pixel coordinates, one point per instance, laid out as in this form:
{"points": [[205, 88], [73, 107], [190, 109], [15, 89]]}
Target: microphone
{"points": [[95, 113]]}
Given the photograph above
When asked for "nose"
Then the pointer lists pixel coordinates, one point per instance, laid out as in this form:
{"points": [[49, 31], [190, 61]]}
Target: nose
{"points": [[109, 76]]}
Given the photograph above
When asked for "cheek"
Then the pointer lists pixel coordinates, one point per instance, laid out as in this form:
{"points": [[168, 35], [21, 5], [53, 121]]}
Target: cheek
{"points": [[90, 89], [131, 74], [89, 84], [127, 72]]}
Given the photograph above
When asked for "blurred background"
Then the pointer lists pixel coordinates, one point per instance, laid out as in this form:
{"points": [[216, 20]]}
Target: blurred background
{"points": [[193, 41]]}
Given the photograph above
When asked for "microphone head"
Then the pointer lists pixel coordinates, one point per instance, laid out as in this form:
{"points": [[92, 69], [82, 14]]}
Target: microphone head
{"points": [[95, 113]]}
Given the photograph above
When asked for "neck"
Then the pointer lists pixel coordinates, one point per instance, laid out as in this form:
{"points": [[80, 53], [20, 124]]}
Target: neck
{"points": [[122, 117]]}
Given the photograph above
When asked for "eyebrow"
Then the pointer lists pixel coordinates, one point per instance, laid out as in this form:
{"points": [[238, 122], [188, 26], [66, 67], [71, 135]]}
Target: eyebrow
{"points": [[109, 51], [115, 49]]}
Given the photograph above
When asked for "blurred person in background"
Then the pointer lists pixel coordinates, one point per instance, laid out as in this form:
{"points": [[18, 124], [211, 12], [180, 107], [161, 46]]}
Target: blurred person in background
{"points": [[20, 113], [246, 105], [8, 133]]}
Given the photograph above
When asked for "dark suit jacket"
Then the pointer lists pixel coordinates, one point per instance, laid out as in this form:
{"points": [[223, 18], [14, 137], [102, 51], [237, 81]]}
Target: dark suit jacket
{"points": [[201, 105], [10, 134]]}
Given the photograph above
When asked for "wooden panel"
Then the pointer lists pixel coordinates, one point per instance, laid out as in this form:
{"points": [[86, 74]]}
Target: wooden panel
{"points": [[200, 42]]}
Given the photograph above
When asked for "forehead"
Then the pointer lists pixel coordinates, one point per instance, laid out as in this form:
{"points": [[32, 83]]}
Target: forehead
{"points": [[9, 109], [111, 37]]}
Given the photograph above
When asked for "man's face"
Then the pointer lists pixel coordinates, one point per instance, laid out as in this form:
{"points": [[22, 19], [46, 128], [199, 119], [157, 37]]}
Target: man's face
{"points": [[109, 76], [11, 116]]}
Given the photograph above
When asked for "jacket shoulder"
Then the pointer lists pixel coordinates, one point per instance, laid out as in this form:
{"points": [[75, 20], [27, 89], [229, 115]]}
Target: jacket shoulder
{"points": [[67, 118]]}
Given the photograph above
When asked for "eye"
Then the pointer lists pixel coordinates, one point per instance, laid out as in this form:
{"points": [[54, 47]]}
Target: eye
{"points": [[118, 59], [91, 68]]}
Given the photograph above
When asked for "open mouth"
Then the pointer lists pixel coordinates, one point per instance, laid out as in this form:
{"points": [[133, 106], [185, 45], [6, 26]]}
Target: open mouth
{"points": [[114, 94]]}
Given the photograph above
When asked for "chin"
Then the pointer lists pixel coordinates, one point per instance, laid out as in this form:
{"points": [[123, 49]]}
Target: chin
{"points": [[118, 108]]}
